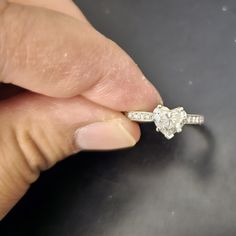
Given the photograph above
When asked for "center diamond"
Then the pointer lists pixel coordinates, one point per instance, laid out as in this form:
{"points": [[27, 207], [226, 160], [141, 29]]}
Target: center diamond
{"points": [[169, 121]]}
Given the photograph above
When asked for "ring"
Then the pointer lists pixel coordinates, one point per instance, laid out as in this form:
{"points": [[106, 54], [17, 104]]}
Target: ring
{"points": [[167, 121]]}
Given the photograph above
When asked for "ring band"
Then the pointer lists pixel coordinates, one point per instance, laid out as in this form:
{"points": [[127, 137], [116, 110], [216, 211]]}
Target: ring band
{"points": [[143, 116], [167, 121]]}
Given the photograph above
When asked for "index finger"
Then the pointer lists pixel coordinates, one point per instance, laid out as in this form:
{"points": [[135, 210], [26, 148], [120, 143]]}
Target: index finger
{"points": [[56, 55]]}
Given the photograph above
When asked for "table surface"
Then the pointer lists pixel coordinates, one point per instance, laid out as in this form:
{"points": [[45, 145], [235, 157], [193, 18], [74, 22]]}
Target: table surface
{"points": [[185, 186]]}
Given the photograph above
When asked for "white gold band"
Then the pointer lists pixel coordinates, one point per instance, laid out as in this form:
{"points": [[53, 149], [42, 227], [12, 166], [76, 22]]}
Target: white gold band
{"points": [[143, 116], [140, 116], [193, 119], [167, 121]]}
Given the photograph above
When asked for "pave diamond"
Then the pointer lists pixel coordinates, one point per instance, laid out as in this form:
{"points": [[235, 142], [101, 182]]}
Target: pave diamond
{"points": [[169, 122], [141, 116]]}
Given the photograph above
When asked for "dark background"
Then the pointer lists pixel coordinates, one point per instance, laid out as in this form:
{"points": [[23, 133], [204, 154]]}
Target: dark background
{"points": [[185, 186]]}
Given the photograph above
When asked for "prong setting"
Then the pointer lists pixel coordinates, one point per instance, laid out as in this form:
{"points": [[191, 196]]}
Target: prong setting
{"points": [[169, 121]]}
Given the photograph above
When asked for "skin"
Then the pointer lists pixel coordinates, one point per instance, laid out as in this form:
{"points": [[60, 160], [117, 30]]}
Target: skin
{"points": [[63, 89]]}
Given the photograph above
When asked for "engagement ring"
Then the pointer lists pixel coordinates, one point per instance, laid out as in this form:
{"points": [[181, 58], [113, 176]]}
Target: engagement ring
{"points": [[167, 121]]}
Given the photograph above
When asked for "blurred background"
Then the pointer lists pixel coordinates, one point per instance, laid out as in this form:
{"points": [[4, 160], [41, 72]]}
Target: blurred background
{"points": [[185, 186]]}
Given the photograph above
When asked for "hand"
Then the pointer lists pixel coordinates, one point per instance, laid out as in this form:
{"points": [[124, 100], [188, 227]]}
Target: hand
{"points": [[63, 87]]}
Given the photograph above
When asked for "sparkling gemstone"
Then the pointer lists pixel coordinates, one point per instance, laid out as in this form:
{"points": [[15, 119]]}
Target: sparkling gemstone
{"points": [[169, 121]]}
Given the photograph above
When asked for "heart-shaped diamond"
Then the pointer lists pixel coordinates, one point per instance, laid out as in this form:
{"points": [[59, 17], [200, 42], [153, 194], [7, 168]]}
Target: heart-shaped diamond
{"points": [[169, 121]]}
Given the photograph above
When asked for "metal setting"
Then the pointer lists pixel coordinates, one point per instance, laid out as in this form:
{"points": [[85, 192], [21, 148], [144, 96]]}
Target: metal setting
{"points": [[167, 121]]}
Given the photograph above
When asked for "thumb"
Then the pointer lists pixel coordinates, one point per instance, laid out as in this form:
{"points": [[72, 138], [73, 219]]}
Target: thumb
{"points": [[57, 55], [37, 131]]}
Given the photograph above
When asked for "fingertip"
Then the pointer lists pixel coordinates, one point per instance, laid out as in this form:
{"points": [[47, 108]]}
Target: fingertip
{"points": [[122, 86], [150, 96]]}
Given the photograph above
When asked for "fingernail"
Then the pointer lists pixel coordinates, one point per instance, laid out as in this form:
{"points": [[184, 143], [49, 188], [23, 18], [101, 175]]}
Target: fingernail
{"points": [[105, 135]]}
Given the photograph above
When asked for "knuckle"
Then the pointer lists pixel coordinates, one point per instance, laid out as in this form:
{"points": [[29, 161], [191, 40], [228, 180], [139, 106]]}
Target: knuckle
{"points": [[31, 153], [35, 145], [22, 156], [14, 163]]}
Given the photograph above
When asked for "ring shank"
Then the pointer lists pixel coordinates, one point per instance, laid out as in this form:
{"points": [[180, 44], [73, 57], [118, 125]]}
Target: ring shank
{"points": [[143, 116], [140, 116], [194, 119]]}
